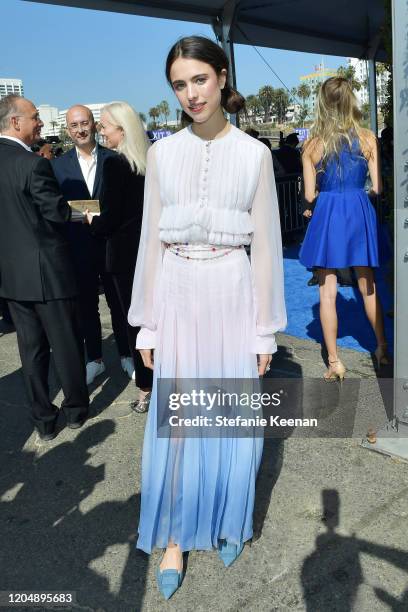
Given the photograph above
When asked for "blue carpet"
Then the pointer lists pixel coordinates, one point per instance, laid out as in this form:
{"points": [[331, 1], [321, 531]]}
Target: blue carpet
{"points": [[302, 303]]}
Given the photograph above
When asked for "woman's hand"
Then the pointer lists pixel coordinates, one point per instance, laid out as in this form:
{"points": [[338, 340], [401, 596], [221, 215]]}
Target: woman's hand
{"points": [[147, 356], [307, 213], [264, 364]]}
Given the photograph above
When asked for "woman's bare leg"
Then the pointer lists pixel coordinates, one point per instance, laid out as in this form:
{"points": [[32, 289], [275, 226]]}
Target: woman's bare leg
{"points": [[372, 305], [173, 558], [328, 313]]}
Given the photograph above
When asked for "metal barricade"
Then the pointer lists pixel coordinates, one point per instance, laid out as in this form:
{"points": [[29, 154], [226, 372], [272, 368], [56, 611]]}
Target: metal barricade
{"points": [[290, 206]]}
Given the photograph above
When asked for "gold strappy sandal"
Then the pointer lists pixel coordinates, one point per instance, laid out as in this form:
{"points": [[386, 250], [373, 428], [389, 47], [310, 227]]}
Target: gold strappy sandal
{"points": [[336, 370]]}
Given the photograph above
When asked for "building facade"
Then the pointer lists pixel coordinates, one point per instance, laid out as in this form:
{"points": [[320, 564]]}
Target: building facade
{"points": [[49, 116], [313, 80], [361, 74], [292, 113], [11, 86]]}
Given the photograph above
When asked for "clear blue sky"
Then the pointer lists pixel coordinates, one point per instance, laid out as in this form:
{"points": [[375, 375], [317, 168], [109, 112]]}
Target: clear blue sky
{"points": [[69, 55]]}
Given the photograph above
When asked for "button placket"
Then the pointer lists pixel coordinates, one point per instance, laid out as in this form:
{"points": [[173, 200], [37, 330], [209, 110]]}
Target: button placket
{"points": [[203, 183]]}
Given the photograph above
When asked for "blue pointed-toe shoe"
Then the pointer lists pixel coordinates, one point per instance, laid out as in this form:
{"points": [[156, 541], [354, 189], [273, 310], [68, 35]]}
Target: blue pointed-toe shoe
{"points": [[228, 553], [168, 581]]}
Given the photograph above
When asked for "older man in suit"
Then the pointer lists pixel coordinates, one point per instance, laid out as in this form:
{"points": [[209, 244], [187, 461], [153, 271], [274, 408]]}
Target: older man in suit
{"points": [[80, 175], [36, 275]]}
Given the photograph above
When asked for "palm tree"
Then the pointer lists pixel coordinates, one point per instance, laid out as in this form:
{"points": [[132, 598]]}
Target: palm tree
{"points": [[142, 117], [160, 109], [53, 124], [64, 136], [302, 114], [154, 113], [280, 103], [164, 110], [293, 95], [349, 73], [380, 68], [304, 93], [253, 104], [265, 95]]}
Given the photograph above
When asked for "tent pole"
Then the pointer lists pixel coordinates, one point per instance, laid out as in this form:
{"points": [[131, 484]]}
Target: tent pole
{"points": [[393, 439], [223, 30], [372, 95], [400, 59]]}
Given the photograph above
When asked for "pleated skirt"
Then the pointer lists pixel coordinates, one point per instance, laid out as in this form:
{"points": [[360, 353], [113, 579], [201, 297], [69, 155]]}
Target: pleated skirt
{"points": [[198, 490]]}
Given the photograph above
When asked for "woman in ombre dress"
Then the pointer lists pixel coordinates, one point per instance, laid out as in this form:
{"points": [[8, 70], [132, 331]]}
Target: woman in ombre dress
{"points": [[204, 309]]}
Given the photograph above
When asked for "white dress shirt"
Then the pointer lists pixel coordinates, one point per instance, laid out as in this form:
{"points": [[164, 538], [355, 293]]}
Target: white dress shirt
{"points": [[88, 168], [23, 144], [219, 192]]}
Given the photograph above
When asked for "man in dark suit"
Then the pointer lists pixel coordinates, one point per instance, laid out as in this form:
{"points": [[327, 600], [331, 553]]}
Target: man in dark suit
{"points": [[36, 276], [79, 173]]}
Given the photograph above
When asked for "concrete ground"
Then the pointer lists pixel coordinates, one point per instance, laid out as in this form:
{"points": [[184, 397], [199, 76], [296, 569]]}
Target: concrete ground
{"points": [[330, 519]]}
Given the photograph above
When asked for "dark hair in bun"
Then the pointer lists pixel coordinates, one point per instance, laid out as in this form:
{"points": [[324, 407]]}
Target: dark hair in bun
{"points": [[205, 50]]}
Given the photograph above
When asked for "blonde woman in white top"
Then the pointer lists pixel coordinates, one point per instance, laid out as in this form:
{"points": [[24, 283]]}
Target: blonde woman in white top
{"points": [[204, 309]]}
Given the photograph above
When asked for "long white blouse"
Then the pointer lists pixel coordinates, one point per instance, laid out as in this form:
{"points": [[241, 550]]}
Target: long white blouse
{"points": [[219, 192]]}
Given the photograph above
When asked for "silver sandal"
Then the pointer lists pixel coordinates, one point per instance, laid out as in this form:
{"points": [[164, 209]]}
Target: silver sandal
{"points": [[141, 405]]}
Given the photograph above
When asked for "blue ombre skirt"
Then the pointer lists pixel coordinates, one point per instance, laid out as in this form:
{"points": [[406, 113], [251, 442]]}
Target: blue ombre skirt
{"points": [[198, 490]]}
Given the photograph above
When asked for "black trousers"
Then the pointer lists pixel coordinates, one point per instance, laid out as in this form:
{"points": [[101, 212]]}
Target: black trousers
{"points": [[123, 283], [42, 326], [88, 256], [89, 281]]}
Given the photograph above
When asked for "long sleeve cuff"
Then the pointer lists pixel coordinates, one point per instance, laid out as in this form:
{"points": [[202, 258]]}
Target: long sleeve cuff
{"points": [[146, 339], [264, 345]]}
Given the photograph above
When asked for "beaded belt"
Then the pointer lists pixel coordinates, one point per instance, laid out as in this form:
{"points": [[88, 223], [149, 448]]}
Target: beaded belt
{"points": [[201, 252]]}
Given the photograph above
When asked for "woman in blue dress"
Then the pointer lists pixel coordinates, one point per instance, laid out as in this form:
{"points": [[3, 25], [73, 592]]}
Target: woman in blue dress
{"points": [[343, 231], [205, 309]]}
